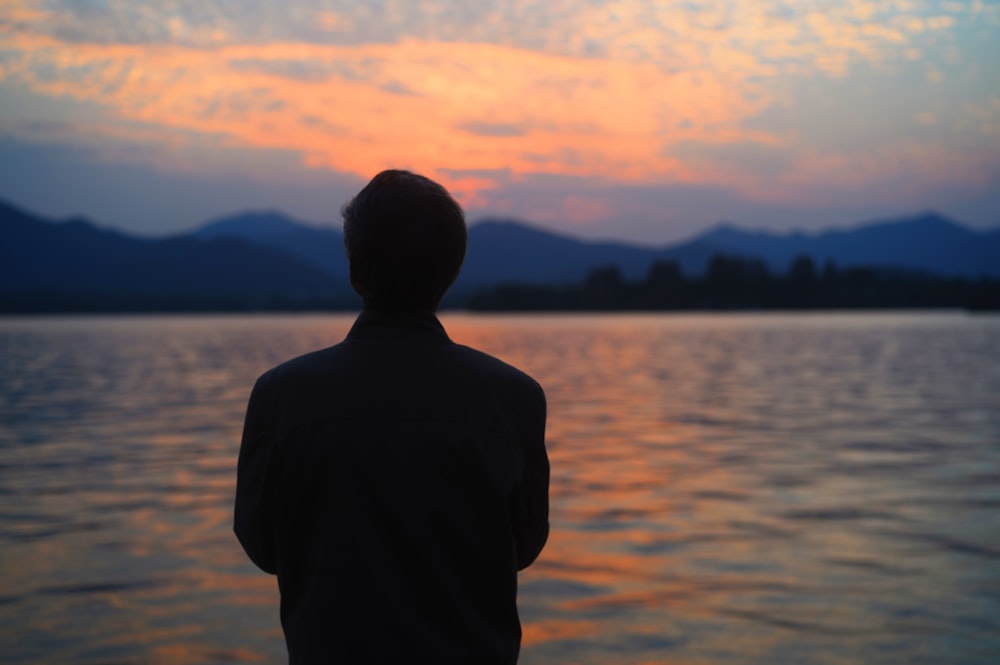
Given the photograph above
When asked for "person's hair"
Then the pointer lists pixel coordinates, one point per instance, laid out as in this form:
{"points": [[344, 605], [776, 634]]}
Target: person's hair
{"points": [[405, 238]]}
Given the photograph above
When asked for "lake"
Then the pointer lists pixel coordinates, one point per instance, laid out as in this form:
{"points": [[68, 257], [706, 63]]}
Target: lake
{"points": [[726, 488]]}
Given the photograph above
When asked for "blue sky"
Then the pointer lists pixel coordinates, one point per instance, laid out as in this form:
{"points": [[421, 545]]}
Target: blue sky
{"points": [[644, 121]]}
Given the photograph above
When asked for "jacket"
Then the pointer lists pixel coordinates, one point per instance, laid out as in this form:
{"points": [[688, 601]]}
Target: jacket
{"points": [[395, 483]]}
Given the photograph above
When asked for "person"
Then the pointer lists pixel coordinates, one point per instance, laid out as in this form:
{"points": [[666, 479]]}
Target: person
{"points": [[396, 482]]}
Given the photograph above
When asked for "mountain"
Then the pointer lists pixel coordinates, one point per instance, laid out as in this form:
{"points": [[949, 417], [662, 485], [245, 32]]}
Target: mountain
{"points": [[498, 251], [322, 247], [928, 242], [268, 260], [76, 265], [508, 251]]}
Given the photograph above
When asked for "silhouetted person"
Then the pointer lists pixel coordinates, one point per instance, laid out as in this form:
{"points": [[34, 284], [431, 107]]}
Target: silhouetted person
{"points": [[396, 482]]}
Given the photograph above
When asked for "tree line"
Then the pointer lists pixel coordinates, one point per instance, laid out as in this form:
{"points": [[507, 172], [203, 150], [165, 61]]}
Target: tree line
{"points": [[728, 283], [739, 283]]}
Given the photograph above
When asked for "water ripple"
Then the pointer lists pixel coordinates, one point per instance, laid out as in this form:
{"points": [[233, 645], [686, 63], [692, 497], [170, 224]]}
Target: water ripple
{"points": [[726, 489]]}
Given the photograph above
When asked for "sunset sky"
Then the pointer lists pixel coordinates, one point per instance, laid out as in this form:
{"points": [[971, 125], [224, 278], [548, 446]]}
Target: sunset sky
{"points": [[644, 121]]}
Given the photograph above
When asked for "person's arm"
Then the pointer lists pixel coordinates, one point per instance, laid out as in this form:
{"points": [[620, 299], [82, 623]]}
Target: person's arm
{"points": [[253, 519], [532, 527]]}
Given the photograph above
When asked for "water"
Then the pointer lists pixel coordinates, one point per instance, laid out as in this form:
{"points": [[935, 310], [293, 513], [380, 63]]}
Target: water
{"points": [[727, 489]]}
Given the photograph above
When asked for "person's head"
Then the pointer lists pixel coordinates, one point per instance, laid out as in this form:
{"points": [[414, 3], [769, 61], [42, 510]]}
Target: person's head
{"points": [[405, 238]]}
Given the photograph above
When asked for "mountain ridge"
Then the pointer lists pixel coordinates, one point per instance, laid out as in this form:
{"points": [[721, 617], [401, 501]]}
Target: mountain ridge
{"points": [[927, 241], [256, 255], [76, 261], [321, 246]]}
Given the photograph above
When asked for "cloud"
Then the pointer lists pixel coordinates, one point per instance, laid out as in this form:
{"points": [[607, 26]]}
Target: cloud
{"points": [[492, 129], [983, 119], [620, 91], [612, 118]]}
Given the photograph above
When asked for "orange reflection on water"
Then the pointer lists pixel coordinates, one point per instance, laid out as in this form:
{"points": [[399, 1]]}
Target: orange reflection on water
{"points": [[554, 629], [645, 515], [186, 653], [728, 489]]}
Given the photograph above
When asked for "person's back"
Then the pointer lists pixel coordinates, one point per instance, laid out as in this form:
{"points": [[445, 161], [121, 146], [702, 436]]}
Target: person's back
{"points": [[395, 482]]}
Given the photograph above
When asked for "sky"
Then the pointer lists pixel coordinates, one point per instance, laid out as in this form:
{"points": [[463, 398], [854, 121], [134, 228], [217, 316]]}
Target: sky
{"points": [[634, 120]]}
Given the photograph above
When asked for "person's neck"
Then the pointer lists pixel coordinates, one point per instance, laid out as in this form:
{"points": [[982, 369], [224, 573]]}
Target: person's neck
{"points": [[396, 312]]}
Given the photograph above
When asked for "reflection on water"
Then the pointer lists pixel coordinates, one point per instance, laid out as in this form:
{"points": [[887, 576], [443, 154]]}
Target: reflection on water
{"points": [[726, 488]]}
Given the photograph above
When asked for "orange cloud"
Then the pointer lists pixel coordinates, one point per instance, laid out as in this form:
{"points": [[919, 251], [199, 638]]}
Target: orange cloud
{"points": [[616, 93], [423, 105]]}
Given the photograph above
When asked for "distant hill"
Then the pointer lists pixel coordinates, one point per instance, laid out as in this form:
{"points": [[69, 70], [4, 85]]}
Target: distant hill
{"points": [[75, 265], [928, 242], [267, 260], [512, 251], [499, 250], [508, 251], [322, 247]]}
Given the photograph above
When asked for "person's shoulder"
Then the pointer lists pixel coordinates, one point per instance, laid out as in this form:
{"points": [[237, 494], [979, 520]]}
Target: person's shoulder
{"points": [[498, 370], [296, 368]]}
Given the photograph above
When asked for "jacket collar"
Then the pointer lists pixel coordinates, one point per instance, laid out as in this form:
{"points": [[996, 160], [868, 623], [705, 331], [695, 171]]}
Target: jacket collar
{"points": [[372, 324]]}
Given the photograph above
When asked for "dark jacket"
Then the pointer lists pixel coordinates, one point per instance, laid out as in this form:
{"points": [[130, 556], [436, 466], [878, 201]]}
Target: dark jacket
{"points": [[395, 483]]}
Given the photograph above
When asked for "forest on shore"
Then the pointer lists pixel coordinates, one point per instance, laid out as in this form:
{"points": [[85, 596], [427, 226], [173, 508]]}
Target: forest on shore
{"points": [[728, 283], [738, 283]]}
